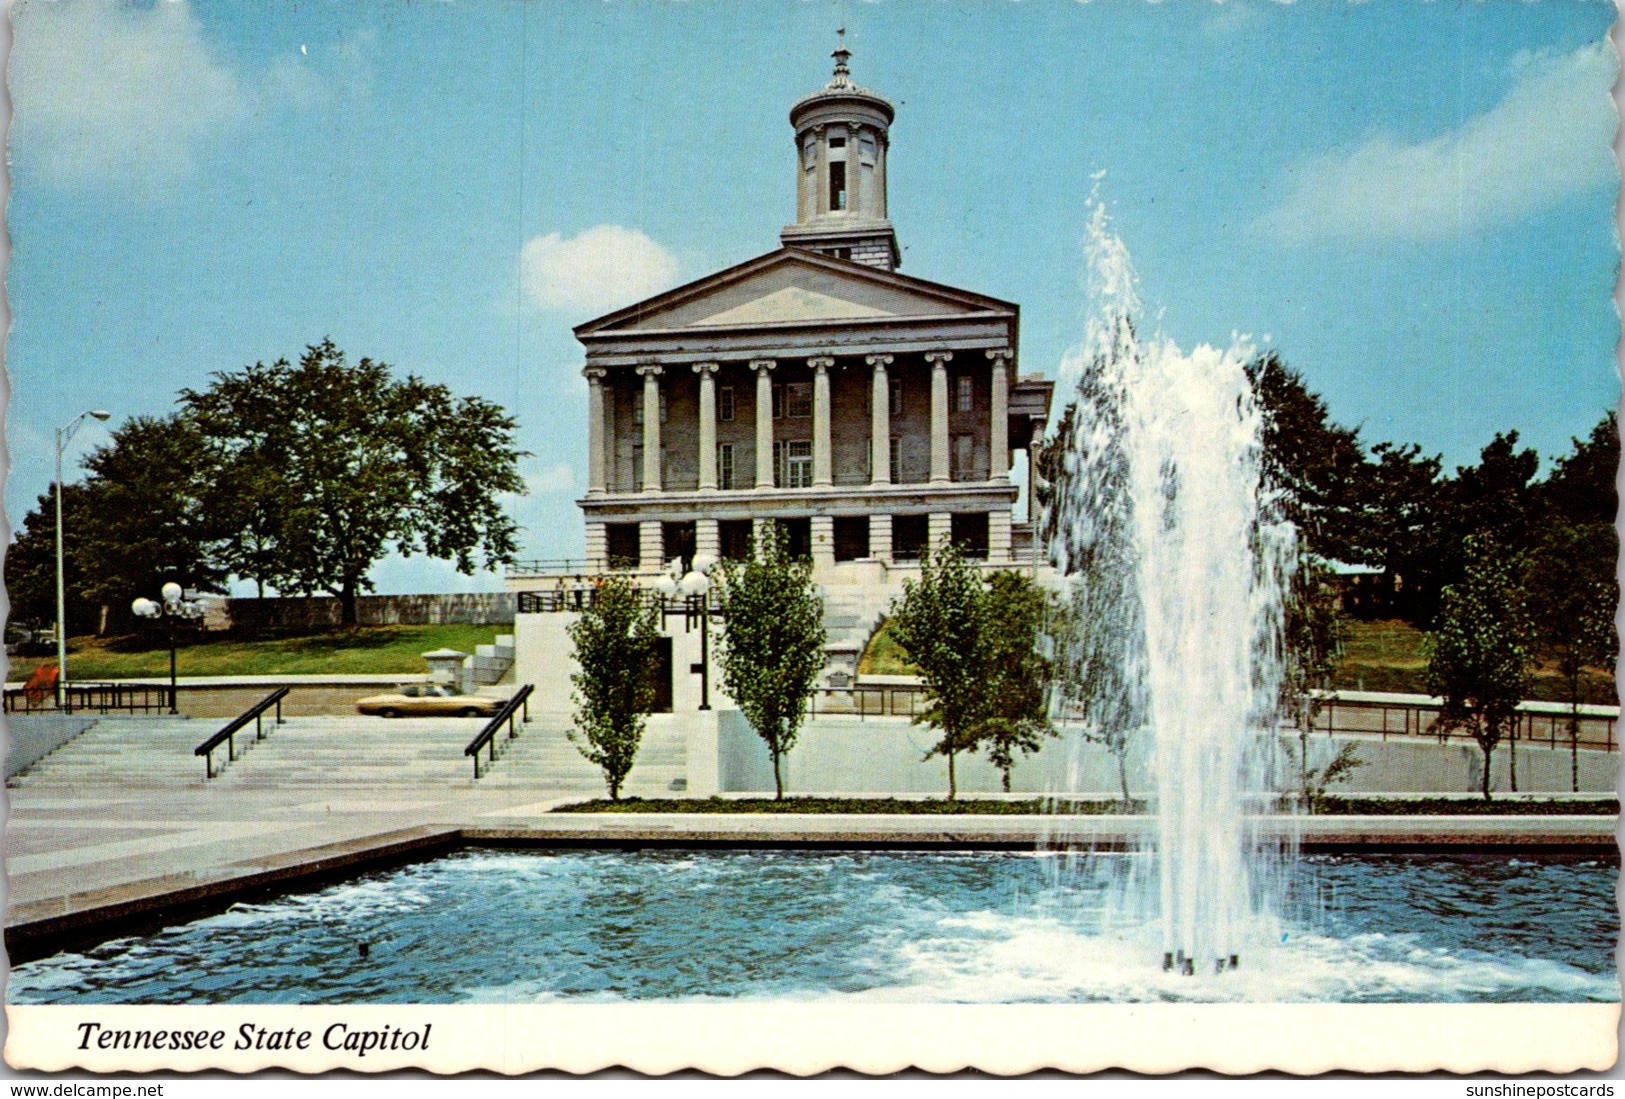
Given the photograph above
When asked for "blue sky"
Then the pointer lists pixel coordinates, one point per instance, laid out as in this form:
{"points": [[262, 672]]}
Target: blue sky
{"points": [[1412, 202]]}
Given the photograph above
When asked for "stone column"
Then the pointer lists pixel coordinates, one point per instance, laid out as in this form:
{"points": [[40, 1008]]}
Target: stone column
{"points": [[880, 538], [823, 541], [939, 529], [764, 421], [821, 173], [651, 546], [708, 425], [998, 536], [939, 414], [651, 426], [823, 472], [707, 538], [880, 425], [597, 547], [999, 416], [596, 479]]}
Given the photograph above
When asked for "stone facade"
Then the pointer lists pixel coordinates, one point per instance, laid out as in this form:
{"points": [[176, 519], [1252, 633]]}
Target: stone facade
{"points": [[871, 412]]}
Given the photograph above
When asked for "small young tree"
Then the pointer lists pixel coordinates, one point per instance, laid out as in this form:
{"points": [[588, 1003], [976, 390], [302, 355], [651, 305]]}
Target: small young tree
{"points": [[1017, 717], [1312, 640], [773, 641], [1478, 656], [1572, 597], [615, 648], [940, 619]]}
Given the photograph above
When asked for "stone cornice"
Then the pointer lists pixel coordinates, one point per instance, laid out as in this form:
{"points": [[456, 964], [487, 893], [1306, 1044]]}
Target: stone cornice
{"points": [[920, 498]]}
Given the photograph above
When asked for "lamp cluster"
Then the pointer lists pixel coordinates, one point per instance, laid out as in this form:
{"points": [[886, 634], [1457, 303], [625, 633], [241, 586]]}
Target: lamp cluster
{"points": [[175, 605], [673, 582]]}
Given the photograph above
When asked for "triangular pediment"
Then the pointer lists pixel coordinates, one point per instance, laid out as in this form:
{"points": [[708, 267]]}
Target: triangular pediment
{"points": [[791, 287]]}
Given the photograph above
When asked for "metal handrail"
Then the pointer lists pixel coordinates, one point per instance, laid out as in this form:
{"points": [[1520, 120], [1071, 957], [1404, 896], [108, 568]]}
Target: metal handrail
{"points": [[487, 736], [228, 735]]}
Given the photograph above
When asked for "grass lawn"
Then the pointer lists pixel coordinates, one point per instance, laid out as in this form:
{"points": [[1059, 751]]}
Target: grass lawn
{"points": [[381, 650], [1377, 656]]}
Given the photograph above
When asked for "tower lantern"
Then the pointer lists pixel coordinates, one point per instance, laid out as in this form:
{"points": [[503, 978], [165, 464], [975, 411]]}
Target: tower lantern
{"points": [[841, 141]]}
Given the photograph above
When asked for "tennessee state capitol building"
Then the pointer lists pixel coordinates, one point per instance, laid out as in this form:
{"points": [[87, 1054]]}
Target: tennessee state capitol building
{"points": [[870, 413]]}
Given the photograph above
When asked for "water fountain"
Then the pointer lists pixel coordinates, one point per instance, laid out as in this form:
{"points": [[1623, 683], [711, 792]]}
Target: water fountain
{"points": [[1174, 563]]}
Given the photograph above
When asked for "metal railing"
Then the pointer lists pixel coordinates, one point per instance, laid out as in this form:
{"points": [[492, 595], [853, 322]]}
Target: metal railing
{"points": [[228, 735], [102, 698], [1536, 723], [867, 701], [487, 738], [580, 597]]}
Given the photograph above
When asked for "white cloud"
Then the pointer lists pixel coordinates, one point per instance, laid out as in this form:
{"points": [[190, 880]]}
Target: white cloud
{"points": [[103, 91], [1551, 136], [598, 269], [550, 480], [113, 93]]}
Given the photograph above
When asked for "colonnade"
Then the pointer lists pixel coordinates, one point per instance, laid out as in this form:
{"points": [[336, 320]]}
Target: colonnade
{"points": [[598, 464]]}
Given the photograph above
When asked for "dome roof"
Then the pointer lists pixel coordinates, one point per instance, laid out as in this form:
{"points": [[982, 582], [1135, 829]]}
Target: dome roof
{"points": [[841, 90]]}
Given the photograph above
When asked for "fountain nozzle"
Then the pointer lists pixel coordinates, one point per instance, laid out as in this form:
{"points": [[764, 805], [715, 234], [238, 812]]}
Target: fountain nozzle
{"points": [[1167, 961], [1189, 969], [1235, 961]]}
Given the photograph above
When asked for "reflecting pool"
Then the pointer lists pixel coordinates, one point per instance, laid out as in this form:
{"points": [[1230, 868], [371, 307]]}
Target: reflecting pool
{"points": [[504, 926]]}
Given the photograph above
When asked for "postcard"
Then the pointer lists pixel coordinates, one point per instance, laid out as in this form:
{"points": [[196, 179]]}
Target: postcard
{"points": [[812, 536]]}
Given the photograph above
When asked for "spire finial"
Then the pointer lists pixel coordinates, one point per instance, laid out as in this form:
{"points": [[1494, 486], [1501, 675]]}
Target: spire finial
{"points": [[840, 55]]}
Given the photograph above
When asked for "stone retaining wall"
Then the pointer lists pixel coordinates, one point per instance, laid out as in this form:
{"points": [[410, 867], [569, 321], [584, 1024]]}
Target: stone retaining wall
{"points": [[304, 612]]}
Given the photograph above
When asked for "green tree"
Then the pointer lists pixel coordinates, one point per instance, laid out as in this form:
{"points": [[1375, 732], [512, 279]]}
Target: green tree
{"points": [[1017, 718], [1312, 642], [1573, 597], [1319, 465], [773, 641], [1478, 654], [1581, 486], [148, 494], [30, 564], [616, 653], [940, 620], [353, 463]]}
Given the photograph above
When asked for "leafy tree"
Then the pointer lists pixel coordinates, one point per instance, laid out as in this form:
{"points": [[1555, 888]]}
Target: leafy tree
{"points": [[1581, 487], [147, 495], [1017, 717], [773, 641], [1402, 500], [1573, 597], [1312, 636], [1318, 464], [30, 564], [940, 620], [1478, 658], [616, 651], [353, 463]]}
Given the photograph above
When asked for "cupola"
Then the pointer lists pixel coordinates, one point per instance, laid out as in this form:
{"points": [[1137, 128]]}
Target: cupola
{"points": [[841, 139]]}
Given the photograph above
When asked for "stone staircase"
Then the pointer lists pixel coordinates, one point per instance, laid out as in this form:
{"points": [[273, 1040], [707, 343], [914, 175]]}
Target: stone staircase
{"points": [[367, 753], [851, 614], [543, 756], [124, 753]]}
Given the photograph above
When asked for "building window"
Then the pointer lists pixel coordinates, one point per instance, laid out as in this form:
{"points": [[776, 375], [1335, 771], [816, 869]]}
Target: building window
{"points": [[637, 467], [793, 399], [725, 403], [908, 536], [792, 463], [735, 536], [637, 408], [623, 545], [964, 400], [964, 457], [897, 397], [837, 183], [894, 459], [725, 465], [968, 530], [851, 537]]}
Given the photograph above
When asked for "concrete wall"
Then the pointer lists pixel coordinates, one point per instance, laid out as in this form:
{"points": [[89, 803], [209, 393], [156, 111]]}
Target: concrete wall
{"points": [[885, 756], [32, 737], [465, 608]]}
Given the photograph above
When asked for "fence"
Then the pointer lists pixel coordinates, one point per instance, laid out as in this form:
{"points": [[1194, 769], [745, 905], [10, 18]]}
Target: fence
{"points": [[303, 612], [101, 698], [1536, 722]]}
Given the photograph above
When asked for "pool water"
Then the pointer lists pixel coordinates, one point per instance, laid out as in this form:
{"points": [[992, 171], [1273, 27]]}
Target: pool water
{"points": [[501, 926]]}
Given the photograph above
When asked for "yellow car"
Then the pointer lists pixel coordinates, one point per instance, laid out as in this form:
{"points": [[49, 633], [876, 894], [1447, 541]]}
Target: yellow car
{"points": [[428, 700]]}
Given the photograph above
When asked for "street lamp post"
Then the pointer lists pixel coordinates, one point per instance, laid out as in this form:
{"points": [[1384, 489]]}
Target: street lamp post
{"points": [[175, 606], [63, 435], [697, 585]]}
